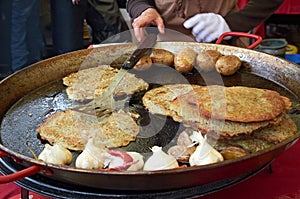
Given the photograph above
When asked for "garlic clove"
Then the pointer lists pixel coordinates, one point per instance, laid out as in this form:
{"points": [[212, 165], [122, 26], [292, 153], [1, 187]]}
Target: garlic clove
{"points": [[91, 157], [88, 161], [55, 154], [204, 153], [160, 160], [138, 160]]}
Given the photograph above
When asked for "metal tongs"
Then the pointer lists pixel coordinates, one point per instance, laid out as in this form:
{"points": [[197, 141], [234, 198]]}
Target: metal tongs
{"points": [[104, 104]]}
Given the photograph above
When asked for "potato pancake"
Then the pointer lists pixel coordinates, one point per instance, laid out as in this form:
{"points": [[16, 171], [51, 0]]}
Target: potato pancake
{"points": [[277, 133], [174, 101], [238, 103], [89, 83], [72, 129], [158, 100], [229, 129]]}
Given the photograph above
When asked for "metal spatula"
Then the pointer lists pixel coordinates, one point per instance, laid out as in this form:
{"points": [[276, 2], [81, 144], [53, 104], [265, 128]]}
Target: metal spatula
{"points": [[104, 104]]}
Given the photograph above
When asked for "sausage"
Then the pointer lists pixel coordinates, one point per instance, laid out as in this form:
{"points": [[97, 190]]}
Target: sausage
{"points": [[144, 63], [184, 60], [228, 64], [162, 57], [206, 60]]}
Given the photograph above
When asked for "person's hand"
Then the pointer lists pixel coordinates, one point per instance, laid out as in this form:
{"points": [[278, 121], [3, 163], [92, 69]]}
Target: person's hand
{"points": [[207, 27], [149, 17], [75, 2]]}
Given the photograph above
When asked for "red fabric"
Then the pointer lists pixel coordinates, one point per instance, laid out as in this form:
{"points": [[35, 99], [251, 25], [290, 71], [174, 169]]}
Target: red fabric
{"points": [[283, 183], [12, 191], [288, 6], [9, 190]]}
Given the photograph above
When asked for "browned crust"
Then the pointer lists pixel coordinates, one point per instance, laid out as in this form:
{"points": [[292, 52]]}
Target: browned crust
{"points": [[72, 129], [90, 83], [158, 100], [174, 101], [277, 133], [238, 103]]}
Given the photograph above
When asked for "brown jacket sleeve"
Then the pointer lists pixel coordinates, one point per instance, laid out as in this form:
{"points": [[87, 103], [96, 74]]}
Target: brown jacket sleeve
{"points": [[254, 13], [136, 7]]}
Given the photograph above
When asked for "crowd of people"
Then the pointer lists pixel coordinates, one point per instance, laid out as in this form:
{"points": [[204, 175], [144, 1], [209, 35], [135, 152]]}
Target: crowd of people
{"points": [[203, 20], [67, 20]]}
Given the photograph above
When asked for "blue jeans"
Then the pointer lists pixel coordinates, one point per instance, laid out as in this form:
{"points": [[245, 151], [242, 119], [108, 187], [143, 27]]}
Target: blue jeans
{"points": [[27, 39]]}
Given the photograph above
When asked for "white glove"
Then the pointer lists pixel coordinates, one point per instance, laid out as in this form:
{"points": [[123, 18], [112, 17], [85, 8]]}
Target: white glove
{"points": [[207, 27]]}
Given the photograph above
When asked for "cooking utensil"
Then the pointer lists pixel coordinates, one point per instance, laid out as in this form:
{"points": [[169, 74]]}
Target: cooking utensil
{"points": [[19, 122], [104, 104]]}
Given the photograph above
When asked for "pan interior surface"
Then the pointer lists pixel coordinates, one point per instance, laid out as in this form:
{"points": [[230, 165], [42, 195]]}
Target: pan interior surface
{"points": [[18, 128]]}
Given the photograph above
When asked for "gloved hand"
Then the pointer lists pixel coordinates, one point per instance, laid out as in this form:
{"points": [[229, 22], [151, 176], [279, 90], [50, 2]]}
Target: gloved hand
{"points": [[207, 27]]}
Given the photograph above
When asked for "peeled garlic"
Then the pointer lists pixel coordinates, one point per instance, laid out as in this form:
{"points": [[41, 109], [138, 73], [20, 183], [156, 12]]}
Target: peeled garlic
{"points": [[55, 154], [138, 160], [92, 157], [204, 153], [160, 160]]}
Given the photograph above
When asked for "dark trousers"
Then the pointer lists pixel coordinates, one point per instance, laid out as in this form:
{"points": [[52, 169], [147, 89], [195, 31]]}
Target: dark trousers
{"points": [[67, 25], [26, 35], [104, 18]]}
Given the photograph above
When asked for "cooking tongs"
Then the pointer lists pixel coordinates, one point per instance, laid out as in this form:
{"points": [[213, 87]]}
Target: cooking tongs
{"points": [[104, 104]]}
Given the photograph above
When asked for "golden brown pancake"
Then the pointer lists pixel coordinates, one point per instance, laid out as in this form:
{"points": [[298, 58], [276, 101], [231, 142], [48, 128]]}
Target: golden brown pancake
{"points": [[72, 129], [253, 145], [266, 137], [238, 103], [277, 133], [229, 129], [89, 83], [173, 101], [158, 100]]}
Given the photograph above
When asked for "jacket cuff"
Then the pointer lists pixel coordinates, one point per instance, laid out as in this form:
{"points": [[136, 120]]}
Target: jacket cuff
{"points": [[136, 9]]}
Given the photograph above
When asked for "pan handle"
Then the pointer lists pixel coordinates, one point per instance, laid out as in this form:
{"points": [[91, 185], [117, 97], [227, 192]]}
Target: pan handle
{"points": [[19, 174], [242, 34]]}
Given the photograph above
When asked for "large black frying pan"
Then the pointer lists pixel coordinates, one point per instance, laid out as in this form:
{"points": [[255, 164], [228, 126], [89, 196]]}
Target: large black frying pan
{"points": [[31, 95]]}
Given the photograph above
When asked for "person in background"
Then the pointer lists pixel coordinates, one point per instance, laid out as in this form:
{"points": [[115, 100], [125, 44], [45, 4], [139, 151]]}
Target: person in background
{"points": [[105, 19], [27, 42], [103, 16], [67, 25], [203, 20]]}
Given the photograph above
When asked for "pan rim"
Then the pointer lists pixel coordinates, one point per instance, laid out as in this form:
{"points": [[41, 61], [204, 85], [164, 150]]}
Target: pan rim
{"points": [[289, 142]]}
